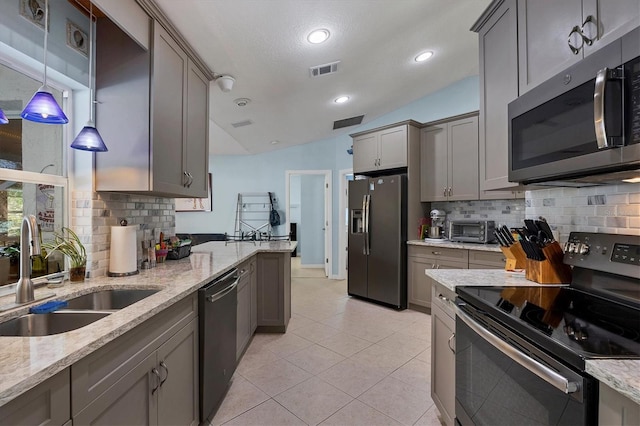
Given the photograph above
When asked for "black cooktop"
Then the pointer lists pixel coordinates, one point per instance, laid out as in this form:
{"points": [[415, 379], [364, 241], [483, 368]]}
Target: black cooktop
{"points": [[564, 321]]}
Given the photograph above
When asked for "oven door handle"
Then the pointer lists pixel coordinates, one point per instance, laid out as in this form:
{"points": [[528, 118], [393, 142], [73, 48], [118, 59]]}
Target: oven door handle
{"points": [[545, 373]]}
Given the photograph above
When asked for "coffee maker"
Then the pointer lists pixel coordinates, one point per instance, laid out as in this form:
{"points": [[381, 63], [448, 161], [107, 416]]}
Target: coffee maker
{"points": [[436, 231]]}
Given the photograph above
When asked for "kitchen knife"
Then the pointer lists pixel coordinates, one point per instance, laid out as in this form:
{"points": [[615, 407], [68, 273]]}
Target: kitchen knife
{"points": [[532, 229], [508, 234], [500, 239], [544, 227], [504, 235]]}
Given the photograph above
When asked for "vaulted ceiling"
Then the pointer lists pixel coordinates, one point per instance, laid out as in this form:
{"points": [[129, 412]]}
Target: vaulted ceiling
{"points": [[263, 45]]}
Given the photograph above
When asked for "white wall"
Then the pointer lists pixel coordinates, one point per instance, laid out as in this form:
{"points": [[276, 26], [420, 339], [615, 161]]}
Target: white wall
{"points": [[266, 172]]}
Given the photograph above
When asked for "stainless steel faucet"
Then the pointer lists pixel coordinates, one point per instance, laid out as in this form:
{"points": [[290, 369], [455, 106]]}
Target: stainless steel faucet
{"points": [[29, 245]]}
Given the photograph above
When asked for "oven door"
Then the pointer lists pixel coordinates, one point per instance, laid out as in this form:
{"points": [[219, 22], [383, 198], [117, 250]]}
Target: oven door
{"points": [[501, 379]]}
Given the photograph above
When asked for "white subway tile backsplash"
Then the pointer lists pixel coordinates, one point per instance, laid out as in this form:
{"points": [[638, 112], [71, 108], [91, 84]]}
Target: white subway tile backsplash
{"points": [[608, 208], [94, 214]]}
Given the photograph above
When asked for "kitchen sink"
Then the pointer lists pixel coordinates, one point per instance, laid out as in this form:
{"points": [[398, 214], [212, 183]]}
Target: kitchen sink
{"points": [[109, 300], [48, 324]]}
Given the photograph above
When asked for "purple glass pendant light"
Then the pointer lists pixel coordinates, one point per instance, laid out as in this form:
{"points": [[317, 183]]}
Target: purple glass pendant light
{"points": [[89, 139], [43, 108], [3, 118]]}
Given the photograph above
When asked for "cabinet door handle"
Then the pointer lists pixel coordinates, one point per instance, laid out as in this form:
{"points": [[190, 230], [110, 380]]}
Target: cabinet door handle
{"points": [[574, 49], [157, 374], [186, 175], [433, 266], [449, 191], [166, 369], [453, 349], [444, 299], [444, 191], [590, 20], [190, 180]]}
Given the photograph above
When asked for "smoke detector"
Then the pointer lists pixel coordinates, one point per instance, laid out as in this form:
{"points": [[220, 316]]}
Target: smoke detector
{"points": [[241, 102], [225, 82]]}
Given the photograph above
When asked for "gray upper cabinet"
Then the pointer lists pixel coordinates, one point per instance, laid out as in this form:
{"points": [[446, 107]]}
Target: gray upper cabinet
{"points": [[152, 114], [365, 153], [498, 36], [552, 37], [449, 160], [382, 149]]}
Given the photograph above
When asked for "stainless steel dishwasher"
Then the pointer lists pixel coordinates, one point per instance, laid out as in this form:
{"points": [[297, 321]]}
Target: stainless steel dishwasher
{"points": [[217, 334]]}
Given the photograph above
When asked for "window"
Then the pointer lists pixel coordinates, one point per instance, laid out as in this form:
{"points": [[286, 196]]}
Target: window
{"points": [[32, 175]]}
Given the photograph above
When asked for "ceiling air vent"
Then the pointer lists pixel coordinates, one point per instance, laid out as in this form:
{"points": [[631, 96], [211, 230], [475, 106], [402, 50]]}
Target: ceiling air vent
{"points": [[323, 69], [339, 124], [242, 123]]}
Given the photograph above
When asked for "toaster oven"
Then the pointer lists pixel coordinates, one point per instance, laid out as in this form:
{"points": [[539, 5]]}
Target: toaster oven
{"points": [[472, 231]]}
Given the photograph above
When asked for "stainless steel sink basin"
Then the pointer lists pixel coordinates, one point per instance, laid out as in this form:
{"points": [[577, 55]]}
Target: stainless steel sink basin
{"points": [[109, 300], [48, 324]]}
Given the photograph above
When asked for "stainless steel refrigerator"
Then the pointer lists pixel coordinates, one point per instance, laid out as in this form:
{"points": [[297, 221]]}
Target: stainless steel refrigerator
{"points": [[377, 266]]}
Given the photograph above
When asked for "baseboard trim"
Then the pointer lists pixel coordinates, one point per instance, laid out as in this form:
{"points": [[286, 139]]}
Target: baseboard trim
{"points": [[319, 265]]}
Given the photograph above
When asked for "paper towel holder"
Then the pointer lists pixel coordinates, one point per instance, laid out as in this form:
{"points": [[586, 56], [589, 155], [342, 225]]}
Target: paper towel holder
{"points": [[123, 223]]}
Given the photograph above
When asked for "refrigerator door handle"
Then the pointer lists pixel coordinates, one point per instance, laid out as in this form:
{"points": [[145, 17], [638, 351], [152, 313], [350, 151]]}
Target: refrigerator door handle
{"points": [[366, 225]]}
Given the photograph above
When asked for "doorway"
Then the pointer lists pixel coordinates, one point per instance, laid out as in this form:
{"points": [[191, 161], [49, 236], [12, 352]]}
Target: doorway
{"points": [[308, 201], [346, 175]]}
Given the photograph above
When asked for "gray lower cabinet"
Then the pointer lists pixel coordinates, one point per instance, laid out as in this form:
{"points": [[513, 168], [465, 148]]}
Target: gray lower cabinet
{"points": [[149, 375], [425, 257], [128, 401], [616, 409], [449, 159], [480, 259], [273, 291], [243, 317], [254, 294], [46, 404], [443, 354]]}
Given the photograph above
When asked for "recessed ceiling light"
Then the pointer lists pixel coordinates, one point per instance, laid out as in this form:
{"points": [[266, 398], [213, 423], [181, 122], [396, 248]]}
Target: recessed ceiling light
{"points": [[275, 142], [424, 56], [318, 36], [341, 99]]}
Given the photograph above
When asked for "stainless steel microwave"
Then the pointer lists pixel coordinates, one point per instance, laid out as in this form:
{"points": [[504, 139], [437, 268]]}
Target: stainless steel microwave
{"points": [[583, 124]]}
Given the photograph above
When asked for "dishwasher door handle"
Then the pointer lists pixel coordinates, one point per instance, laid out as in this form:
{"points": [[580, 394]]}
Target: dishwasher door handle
{"points": [[222, 293], [542, 371]]}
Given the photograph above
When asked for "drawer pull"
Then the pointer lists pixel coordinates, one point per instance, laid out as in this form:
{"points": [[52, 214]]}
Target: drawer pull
{"points": [[444, 299], [437, 253]]}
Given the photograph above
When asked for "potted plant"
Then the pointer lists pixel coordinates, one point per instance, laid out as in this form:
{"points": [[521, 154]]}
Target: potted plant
{"points": [[68, 243]]}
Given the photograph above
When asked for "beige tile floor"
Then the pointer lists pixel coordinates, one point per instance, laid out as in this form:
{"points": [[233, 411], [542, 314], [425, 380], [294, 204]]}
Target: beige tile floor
{"points": [[343, 361]]}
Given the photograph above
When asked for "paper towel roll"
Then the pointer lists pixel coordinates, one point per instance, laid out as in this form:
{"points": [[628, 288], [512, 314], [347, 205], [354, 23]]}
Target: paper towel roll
{"points": [[123, 255]]}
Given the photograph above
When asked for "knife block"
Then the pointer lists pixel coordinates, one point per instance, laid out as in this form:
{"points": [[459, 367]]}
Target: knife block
{"points": [[551, 270], [516, 258]]}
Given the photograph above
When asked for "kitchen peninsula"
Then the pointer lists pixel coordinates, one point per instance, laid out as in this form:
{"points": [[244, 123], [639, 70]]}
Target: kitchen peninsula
{"points": [[26, 362]]}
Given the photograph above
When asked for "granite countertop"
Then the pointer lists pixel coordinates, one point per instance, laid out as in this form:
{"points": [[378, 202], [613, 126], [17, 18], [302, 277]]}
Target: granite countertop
{"points": [[455, 245], [623, 375], [27, 361]]}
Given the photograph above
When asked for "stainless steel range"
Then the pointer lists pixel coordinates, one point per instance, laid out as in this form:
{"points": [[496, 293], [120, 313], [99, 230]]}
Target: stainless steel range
{"points": [[521, 351]]}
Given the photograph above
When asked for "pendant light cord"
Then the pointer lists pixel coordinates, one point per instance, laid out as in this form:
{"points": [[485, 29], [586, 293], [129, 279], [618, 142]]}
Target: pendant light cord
{"points": [[91, 79], [46, 33]]}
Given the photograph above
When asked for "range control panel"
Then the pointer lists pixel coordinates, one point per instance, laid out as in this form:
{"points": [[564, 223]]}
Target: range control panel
{"points": [[613, 253]]}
